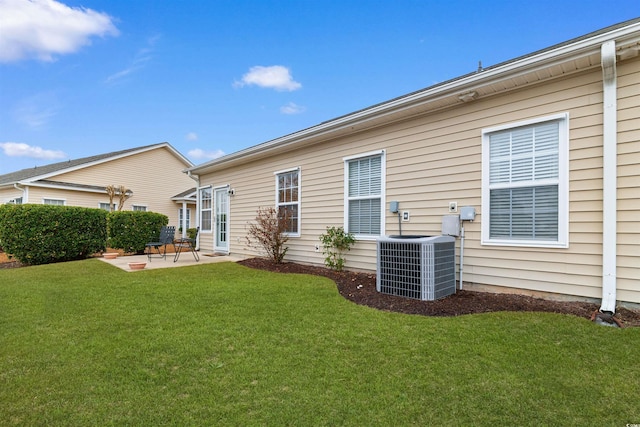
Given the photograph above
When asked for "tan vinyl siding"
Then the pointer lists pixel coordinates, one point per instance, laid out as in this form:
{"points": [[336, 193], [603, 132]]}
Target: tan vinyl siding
{"points": [[9, 194], [154, 176], [71, 198], [437, 158], [628, 250]]}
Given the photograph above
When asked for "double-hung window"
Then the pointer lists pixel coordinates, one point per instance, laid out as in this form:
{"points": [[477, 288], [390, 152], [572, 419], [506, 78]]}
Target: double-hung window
{"points": [[206, 209], [181, 217], [288, 199], [525, 183], [364, 188], [56, 202], [107, 207]]}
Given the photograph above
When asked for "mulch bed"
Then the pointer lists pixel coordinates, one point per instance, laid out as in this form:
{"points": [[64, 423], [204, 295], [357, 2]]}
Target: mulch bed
{"points": [[361, 289]]}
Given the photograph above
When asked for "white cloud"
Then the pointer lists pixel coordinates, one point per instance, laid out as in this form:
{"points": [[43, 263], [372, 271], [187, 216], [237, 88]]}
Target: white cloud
{"points": [[275, 77], [142, 57], [20, 149], [292, 108], [41, 29], [199, 154], [191, 136]]}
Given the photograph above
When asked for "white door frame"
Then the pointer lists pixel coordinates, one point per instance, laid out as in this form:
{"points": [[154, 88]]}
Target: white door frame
{"points": [[221, 219]]}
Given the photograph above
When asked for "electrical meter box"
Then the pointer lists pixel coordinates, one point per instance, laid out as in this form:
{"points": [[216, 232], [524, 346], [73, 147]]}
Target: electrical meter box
{"points": [[467, 213], [451, 225], [394, 206]]}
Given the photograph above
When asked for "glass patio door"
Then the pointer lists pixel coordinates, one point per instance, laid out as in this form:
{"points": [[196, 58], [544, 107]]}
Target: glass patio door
{"points": [[221, 206]]}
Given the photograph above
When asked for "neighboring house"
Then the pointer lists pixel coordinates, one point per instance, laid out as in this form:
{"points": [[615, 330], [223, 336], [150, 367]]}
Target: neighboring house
{"points": [[153, 174], [545, 147]]}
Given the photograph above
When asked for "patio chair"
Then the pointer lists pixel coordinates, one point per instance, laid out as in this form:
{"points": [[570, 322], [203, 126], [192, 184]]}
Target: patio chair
{"points": [[167, 235], [187, 244]]}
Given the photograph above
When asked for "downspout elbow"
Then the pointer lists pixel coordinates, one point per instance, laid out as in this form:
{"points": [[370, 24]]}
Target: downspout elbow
{"points": [[22, 189]]}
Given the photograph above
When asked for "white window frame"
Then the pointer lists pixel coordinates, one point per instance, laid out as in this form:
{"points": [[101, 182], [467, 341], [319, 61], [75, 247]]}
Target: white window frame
{"points": [[141, 208], [382, 196], [100, 206], [562, 181], [202, 210], [297, 203], [180, 218], [48, 200]]}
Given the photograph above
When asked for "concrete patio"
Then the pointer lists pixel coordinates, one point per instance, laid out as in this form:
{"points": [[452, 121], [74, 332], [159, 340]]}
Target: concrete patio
{"points": [[184, 260]]}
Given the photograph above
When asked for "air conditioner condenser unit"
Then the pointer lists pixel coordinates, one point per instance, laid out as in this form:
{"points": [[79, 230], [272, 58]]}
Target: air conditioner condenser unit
{"points": [[418, 267]]}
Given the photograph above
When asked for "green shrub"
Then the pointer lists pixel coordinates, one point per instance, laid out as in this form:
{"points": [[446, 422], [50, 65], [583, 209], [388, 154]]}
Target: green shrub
{"points": [[192, 233], [132, 230], [335, 243], [42, 234]]}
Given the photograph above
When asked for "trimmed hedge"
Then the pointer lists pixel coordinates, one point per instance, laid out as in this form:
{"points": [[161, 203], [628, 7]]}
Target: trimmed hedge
{"points": [[42, 234], [132, 230]]}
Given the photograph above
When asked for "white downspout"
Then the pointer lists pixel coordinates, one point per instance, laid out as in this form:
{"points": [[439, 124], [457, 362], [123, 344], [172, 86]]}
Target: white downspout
{"points": [[609, 174]]}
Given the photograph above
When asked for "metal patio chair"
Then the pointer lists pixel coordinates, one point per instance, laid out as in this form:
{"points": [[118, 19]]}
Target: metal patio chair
{"points": [[187, 244], [167, 236]]}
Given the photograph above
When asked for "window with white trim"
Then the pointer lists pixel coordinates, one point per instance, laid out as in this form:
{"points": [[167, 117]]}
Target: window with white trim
{"points": [[364, 186], [288, 199], [138, 208], [105, 206], [181, 217], [206, 209], [525, 183], [55, 202]]}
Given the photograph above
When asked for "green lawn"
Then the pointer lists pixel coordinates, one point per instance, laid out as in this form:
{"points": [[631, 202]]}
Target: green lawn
{"points": [[84, 343]]}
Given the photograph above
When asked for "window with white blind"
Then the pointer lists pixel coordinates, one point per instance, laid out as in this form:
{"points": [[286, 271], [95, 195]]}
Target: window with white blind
{"points": [[206, 209], [288, 199], [525, 183], [364, 187], [138, 208], [55, 202]]}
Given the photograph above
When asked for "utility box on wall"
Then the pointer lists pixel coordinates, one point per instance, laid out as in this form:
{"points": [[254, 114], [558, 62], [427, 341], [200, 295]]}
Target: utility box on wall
{"points": [[451, 225], [467, 213]]}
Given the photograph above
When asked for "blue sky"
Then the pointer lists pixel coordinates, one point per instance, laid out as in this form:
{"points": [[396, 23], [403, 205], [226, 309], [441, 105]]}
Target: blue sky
{"points": [[79, 78]]}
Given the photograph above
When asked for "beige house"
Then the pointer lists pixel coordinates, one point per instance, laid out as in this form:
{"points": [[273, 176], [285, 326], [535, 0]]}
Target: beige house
{"points": [[545, 148], [153, 174]]}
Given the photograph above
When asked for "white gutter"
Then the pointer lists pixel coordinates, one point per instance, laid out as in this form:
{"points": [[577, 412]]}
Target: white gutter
{"points": [[609, 175]]}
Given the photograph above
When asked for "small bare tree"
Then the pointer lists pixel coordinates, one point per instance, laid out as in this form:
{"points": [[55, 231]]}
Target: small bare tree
{"points": [[123, 194], [111, 192], [268, 233], [119, 191]]}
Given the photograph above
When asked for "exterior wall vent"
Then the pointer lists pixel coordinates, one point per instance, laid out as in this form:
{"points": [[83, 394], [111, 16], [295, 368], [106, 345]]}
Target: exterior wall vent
{"points": [[418, 267]]}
